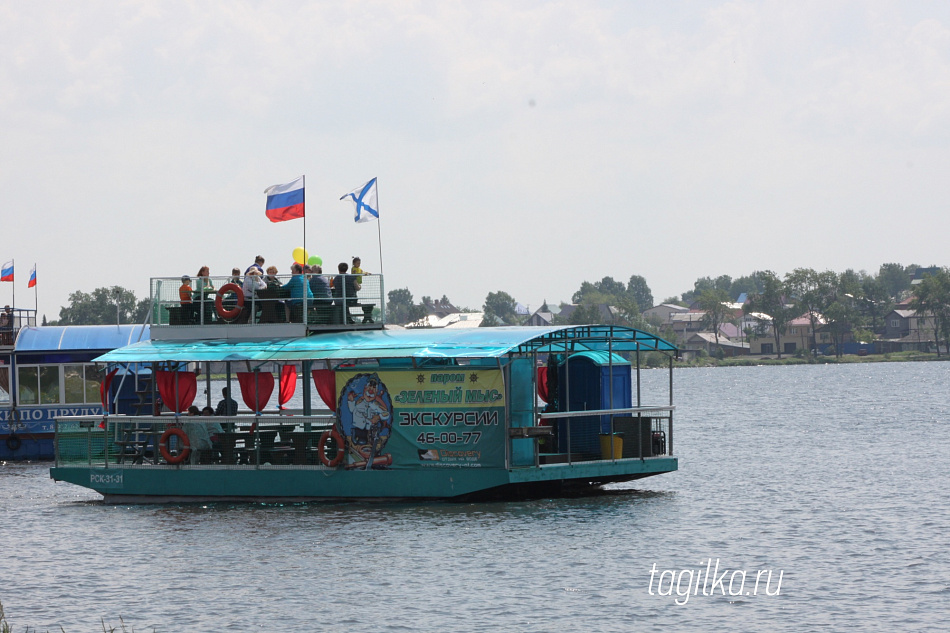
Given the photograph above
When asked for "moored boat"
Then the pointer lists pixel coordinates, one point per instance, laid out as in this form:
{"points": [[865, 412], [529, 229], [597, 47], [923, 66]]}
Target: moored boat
{"points": [[47, 372], [413, 413]]}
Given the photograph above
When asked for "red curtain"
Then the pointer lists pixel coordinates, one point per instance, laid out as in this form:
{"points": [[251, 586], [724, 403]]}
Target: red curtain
{"points": [[543, 383], [187, 388], [104, 389], [325, 380], [256, 388], [288, 384]]}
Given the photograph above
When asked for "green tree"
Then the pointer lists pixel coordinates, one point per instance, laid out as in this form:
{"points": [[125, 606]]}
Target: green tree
{"points": [[839, 319], [875, 302], [771, 301], [400, 308], [712, 302], [99, 307], [639, 291], [599, 290], [585, 314], [812, 292], [499, 307], [932, 296], [895, 279], [849, 283], [748, 284], [722, 282]]}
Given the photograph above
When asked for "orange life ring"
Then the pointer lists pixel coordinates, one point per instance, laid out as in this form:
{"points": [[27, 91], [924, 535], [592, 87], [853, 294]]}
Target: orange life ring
{"points": [[163, 445], [235, 312], [322, 445]]}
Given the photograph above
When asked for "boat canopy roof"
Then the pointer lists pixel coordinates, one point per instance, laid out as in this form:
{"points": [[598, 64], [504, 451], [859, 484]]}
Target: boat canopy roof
{"points": [[418, 343], [79, 337]]}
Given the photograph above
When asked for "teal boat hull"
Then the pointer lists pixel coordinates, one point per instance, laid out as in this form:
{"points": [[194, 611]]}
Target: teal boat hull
{"points": [[159, 484]]}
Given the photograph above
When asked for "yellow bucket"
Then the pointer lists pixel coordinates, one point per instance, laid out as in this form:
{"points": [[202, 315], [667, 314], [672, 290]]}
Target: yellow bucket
{"points": [[605, 446]]}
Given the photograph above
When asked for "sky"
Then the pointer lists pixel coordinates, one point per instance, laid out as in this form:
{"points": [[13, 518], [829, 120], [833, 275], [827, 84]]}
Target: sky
{"points": [[522, 147]]}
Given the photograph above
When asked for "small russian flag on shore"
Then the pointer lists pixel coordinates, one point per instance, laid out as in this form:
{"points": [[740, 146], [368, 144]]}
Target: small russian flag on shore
{"points": [[6, 273], [32, 278], [285, 202]]}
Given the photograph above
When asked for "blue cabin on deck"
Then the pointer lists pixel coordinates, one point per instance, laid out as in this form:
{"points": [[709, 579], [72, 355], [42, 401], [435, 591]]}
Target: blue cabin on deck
{"points": [[590, 381]]}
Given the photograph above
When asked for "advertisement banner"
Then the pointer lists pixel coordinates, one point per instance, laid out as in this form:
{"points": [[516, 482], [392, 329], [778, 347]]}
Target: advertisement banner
{"points": [[422, 418]]}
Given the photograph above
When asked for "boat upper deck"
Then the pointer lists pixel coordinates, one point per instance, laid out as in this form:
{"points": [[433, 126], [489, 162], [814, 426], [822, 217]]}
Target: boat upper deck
{"points": [[12, 320], [278, 306]]}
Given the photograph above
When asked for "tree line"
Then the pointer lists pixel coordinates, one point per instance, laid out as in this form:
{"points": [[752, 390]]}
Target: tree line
{"points": [[851, 301], [100, 308]]}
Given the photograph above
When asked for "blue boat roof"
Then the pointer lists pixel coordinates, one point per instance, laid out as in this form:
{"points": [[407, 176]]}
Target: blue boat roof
{"points": [[402, 343], [79, 337]]}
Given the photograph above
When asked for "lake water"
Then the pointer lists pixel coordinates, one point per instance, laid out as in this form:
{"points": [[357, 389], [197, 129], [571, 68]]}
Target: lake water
{"points": [[837, 477]]}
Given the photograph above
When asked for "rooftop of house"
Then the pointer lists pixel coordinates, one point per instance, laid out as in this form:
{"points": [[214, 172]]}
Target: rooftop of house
{"points": [[454, 320]]}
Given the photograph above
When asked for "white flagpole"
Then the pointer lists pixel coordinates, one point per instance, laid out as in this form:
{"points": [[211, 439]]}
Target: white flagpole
{"points": [[36, 305], [379, 235], [304, 177], [13, 264]]}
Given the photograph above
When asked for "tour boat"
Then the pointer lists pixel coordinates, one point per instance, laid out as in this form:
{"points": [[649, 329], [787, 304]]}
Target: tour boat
{"points": [[46, 372], [435, 413]]}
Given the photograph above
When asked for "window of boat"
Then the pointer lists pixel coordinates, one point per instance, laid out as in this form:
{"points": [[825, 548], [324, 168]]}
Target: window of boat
{"points": [[29, 385], [81, 383], [4, 382], [49, 385]]}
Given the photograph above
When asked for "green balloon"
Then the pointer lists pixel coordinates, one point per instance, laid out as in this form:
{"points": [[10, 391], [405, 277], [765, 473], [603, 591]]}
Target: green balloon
{"points": [[315, 261]]}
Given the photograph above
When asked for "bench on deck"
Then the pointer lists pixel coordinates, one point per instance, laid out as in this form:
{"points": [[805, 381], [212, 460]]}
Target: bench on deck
{"points": [[327, 312], [181, 315]]}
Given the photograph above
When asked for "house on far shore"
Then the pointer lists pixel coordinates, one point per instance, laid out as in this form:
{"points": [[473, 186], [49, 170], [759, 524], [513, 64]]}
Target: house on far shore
{"points": [[905, 330], [797, 336], [660, 314], [685, 323], [543, 316], [707, 341], [454, 320], [608, 314], [439, 308], [918, 275]]}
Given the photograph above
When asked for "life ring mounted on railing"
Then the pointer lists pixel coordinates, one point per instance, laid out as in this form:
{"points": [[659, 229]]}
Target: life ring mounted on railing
{"points": [[182, 437], [14, 443], [235, 312], [322, 448]]}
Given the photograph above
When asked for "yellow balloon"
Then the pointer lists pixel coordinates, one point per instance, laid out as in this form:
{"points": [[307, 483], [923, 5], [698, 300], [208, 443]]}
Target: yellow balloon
{"points": [[300, 255]]}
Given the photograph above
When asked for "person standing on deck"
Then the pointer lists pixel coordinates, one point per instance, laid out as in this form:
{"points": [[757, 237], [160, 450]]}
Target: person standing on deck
{"points": [[345, 288], [319, 285], [297, 288], [184, 290], [257, 265], [359, 272], [228, 406]]}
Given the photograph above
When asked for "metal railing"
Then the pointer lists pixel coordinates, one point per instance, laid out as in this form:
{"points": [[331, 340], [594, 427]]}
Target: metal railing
{"points": [[635, 432], [12, 320], [276, 299], [235, 442]]}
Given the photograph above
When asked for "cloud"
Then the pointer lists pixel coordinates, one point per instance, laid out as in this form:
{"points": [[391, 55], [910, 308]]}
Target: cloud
{"points": [[572, 140]]}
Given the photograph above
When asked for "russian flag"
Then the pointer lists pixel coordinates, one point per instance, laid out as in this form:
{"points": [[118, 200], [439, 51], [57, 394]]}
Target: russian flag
{"points": [[6, 273], [32, 278], [285, 202]]}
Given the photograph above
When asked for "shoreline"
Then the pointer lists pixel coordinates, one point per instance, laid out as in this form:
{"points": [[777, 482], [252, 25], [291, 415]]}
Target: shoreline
{"points": [[753, 361]]}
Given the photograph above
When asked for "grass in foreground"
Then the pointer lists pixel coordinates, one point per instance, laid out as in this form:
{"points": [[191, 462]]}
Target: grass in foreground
{"points": [[5, 626]]}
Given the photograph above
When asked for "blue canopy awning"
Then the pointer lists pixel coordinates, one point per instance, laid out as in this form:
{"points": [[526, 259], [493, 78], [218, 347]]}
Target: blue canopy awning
{"points": [[50, 338], [401, 343]]}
